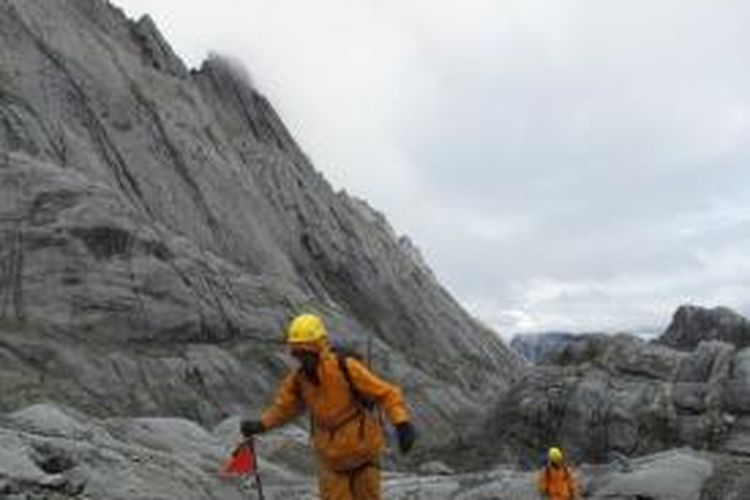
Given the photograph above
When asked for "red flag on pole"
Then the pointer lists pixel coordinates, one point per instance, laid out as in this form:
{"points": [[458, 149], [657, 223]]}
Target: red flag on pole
{"points": [[241, 462]]}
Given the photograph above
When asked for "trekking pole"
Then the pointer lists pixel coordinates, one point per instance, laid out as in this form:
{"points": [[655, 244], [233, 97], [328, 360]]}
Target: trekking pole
{"points": [[256, 473]]}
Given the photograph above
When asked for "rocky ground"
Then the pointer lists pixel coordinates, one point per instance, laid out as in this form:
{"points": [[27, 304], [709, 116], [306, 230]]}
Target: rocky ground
{"points": [[53, 453]]}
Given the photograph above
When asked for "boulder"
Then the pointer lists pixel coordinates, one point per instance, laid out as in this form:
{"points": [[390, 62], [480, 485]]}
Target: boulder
{"points": [[671, 475], [691, 325]]}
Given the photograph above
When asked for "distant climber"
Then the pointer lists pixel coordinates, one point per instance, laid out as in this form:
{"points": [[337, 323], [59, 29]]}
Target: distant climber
{"points": [[556, 479], [338, 391]]}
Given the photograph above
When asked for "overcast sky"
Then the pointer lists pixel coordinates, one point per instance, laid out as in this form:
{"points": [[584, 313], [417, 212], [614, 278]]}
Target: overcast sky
{"points": [[576, 165]]}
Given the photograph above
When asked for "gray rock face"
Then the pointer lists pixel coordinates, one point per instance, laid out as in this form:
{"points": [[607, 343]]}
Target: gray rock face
{"points": [[54, 453], [158, 226], [738, 389], [534, 348], [615, 402], [605, 398], [691, 325], [670, 476]]}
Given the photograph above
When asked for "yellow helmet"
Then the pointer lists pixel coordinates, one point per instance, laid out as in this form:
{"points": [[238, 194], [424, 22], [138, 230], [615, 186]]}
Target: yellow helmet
{"points": [[555, 456], [305, 328]]}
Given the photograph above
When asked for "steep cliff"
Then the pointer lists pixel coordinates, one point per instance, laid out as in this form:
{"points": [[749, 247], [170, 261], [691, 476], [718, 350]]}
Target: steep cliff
{"points": [[159, 225]]}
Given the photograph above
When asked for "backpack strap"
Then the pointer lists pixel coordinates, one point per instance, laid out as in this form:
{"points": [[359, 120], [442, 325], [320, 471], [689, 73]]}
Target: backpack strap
{"points": [[361, 401]]}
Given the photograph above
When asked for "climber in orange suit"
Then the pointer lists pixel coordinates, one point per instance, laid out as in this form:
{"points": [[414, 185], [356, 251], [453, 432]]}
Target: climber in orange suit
{"points": [[556, 479], [346, 435]]}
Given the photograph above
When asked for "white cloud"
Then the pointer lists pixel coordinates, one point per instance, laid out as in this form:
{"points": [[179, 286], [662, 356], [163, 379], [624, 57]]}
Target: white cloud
{"points": [[575, 164]]}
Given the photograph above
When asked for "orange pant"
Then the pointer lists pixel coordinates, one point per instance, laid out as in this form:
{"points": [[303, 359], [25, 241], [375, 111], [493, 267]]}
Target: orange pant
{"points": [[359, 484]]}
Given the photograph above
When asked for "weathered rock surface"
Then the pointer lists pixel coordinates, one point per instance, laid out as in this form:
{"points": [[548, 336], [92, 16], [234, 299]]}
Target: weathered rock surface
{"points": [[671, 475], [53, 453], [158, 226], [616, 401], [605, 398], [691, 325], [738, 386], [534, 347]]}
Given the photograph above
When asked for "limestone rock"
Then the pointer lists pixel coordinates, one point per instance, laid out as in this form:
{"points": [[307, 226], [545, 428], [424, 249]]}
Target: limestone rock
{"points": [[56, 453], [619, 396], [156, 50], [535, 347], [738, 386], [667, 476], [158, 227], [691, 325]]}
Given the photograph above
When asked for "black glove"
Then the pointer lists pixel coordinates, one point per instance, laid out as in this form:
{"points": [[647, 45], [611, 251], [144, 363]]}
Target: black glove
{"points": [[406, 436], [249, 428]]}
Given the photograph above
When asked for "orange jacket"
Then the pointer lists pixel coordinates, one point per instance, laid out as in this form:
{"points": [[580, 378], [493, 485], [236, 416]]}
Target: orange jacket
{"points": [[558, 483], [344, 436]]}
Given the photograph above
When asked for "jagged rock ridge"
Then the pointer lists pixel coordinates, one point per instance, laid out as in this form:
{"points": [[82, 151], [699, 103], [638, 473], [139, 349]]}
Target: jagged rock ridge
{"points": [[605, 398], [159, 225]]}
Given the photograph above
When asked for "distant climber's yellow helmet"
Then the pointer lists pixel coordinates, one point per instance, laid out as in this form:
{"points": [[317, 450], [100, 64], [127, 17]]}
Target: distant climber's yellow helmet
{"points": [[555, 456], [305, 328]]}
